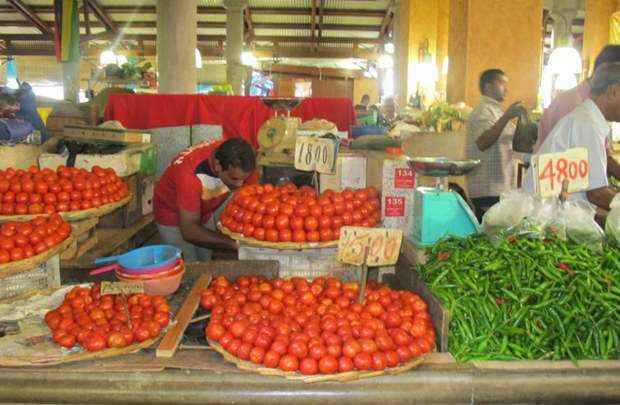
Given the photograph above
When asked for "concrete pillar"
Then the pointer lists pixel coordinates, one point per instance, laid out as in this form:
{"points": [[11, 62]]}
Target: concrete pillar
{"points": [[596, 29], [416, 22], [487, 34], [235, 71], [443, 33], [176, 45], [71, 80]]}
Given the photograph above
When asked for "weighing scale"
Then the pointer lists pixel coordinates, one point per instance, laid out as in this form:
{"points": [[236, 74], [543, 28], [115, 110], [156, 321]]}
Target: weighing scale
{"points": [[437, 211], [278, 134]]}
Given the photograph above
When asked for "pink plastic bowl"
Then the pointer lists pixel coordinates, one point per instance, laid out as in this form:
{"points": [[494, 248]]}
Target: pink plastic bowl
{"points": [[162, 285]]}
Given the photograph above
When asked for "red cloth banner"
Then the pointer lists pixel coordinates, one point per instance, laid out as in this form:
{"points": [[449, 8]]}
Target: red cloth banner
{"points": [[238, 115]]}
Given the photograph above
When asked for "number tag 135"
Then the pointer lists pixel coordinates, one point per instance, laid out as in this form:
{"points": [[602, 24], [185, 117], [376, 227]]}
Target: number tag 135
{"points": [[554, 168]]}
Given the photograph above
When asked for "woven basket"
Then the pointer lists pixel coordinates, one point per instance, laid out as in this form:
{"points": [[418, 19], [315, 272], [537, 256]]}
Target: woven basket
{"points": [[12, 268], [43, 277], [340, 377], [275, 245], [73, 215]]}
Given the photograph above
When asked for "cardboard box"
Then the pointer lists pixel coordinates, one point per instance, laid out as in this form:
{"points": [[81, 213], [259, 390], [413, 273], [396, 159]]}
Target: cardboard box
{"points": [[350, 172]]}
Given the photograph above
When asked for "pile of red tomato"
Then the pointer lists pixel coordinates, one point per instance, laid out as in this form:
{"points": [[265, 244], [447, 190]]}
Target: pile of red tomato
{"points": [[97, 322], [317, 327], [24, 239], [44, 191], [288, 214]]}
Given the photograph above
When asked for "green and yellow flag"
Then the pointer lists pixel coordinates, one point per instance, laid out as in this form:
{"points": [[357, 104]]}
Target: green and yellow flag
{"points": [[67, 32]]}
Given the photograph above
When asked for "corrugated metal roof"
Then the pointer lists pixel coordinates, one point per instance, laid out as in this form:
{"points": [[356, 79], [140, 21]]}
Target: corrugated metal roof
{"points": [[209, 3], [211, 31], [268, 32], [350, 20], [356, 4], [350, 34], [281, 3], [281, 19]]}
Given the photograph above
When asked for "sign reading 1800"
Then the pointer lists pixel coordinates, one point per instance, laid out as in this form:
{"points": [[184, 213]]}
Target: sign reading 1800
{"points": [[316, 154]]}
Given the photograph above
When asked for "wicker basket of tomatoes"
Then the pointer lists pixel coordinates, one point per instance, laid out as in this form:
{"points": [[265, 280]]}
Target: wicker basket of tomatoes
{"points": [[26, 244], [317, 331], [82, 324], [73, 193], [287, 217]]}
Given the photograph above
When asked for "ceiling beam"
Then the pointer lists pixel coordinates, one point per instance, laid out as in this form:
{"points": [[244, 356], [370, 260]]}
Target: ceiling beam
{"points": [[247, 17], [102, 15], [313, 71], [201, 38], [220, 10], [31, 16], [207, 24], [321, 13], [312, 18], [384, 30], [86, 18]]}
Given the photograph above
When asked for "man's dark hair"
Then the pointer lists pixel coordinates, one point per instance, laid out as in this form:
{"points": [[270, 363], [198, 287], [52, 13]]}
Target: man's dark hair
{"points": [[488, 77], [604, 77], [236, 152], [365, 97], [609, 54]]}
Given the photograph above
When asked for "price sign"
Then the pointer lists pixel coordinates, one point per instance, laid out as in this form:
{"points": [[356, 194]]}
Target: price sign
{"points": [[383, 245], [121, 287], [553, 168], [316, 154]]}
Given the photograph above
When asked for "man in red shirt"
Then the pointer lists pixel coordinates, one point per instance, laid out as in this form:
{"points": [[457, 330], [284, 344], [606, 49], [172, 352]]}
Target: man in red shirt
{"points": [[192, 191]]}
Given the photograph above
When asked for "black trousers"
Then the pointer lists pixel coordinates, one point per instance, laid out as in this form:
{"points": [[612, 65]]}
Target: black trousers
{"points": [[482, 205]]}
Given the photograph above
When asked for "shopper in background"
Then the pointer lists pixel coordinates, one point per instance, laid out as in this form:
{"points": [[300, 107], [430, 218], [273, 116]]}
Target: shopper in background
{"points": [[567, 101], [489, 138], [587, 127], [193, 190]]}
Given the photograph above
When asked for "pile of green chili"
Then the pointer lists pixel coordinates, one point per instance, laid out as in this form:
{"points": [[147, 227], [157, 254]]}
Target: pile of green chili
{"points": [[527, 298]]}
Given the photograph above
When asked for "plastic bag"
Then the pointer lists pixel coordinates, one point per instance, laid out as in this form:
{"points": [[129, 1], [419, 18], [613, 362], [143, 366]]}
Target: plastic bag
{"points": [[612, 225], [581, 228], [526, 134], [508, 214]]}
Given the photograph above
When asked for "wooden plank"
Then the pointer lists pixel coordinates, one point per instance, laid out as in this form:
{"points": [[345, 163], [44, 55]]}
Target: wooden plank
{"points": [[170, 342], [546, 365], [104, 134]]}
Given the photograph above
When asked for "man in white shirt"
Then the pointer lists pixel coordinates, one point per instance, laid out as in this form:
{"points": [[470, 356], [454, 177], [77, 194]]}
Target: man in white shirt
{"points": [[587, 127], [489, 138]]}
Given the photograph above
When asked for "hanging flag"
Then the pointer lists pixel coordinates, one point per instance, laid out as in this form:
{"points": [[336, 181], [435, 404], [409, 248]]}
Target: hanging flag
{"points": [[67, 30]]}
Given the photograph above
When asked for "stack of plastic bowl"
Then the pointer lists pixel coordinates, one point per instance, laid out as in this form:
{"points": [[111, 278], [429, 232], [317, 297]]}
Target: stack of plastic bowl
{"points": [[159, 268], [164, 280]]}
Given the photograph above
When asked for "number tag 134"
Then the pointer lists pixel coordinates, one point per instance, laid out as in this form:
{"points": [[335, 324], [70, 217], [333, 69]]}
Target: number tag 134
{"points": [[554, 168]]}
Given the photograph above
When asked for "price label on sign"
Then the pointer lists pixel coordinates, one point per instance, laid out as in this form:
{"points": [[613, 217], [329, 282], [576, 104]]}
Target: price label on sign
{"points": [[383, 245], [554, 168], [121, 287], [316, 154]]}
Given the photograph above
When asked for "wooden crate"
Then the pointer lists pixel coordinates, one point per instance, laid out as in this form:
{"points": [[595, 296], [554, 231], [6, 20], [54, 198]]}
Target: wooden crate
{"points": [[125, 162], [20, 156], [406, 277], [85, 238], [44, 276], [141, 188], [87, 133]]}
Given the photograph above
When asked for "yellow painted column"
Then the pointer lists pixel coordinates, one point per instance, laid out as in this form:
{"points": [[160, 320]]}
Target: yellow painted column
{"points": [[487, 34], [416, 23], [443, 33], [596, 29]]}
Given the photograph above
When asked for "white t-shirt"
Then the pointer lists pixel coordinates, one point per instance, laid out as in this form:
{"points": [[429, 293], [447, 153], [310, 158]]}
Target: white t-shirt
{"points": [[584, 127]]}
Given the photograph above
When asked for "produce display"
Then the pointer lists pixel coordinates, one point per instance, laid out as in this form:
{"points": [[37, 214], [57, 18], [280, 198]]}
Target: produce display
{"points": [[442, 116], [527, 298], [46, 191], [317, 327], [290, 214], [97, 322], [25, 239]]}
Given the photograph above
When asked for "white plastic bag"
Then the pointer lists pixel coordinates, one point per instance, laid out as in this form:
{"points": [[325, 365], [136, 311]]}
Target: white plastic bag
{"points": [[612, 225], [507, 215], [581, 228]]}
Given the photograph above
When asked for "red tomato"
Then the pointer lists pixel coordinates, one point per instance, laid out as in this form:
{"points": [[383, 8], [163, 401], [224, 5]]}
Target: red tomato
{"points": [[299, 236], [363, 361], [309, 366], [269, 222], [282, 222], [326, 235], [288, 363], [301, 211], [95, 342], [379, 361], [285, 235], [345, 364], [259, 233], [271, 359], [313, 236], [328, 365], [257, 355], [271, 235]]}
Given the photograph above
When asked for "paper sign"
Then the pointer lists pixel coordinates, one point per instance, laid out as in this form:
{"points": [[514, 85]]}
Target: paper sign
{"points": [[554, 168], [316, 154], [383, 245], [394, 206], [121, 287], [404, 178]]}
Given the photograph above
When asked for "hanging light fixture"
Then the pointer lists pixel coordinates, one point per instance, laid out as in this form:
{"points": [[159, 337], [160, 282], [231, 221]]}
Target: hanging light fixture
{"points": [[248, 59], [565, 60]]}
